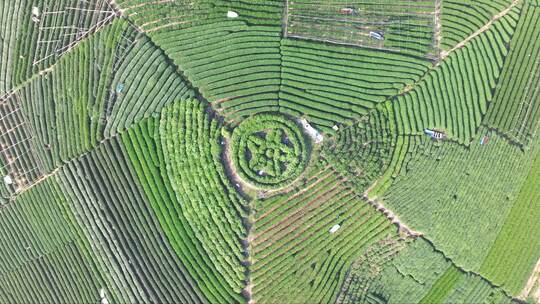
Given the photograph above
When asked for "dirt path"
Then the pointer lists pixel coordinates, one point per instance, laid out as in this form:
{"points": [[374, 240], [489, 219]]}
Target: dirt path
{"points": [[391, 216], [230, 170], [532, 283], [484, 28], [139, 5], [115, 7], [285, 19], [438, 24], [248, 221], [35, 183]]}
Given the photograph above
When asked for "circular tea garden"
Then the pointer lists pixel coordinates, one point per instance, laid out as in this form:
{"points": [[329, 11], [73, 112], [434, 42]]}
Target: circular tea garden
{"points": [[269, 151]]}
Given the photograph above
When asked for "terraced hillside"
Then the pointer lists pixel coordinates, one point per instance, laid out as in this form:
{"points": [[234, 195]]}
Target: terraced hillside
{"points": [[269, 151]]}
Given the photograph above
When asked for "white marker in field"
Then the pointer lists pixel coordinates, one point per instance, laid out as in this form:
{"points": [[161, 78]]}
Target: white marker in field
{"points": [[232, 14], [376, 35], [103, 297], [35, 14], [312, 132], [7, 180], [334, 228]]}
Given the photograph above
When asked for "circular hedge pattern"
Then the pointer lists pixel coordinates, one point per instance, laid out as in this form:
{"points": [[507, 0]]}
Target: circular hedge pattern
{"points": [[269, 150]]}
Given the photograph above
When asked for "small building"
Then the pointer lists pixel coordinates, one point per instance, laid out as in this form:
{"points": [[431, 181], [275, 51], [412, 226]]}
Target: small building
{"points": [[334, 228], [435, 134], [232, 14], [348, 11], [335, 128], [484, 140]]}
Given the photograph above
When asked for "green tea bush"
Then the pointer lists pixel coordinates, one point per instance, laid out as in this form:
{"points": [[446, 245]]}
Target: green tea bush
{"points": [[461, 18], [296, 258], [515, 109]]}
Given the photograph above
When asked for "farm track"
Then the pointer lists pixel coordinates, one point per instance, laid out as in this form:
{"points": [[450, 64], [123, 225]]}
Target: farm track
{"points": [[55, 170], [114, 6], [30, 79], [534, 280], [438, 25], [481, 30], [37, 182], [391, 216], [285, 19], [143, 4], [230, 170]]}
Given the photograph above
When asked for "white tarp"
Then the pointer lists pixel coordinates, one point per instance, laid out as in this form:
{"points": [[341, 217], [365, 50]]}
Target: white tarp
{"points": [[35, 14], [335, 228], [232, 14], [8, 180], [103, 297], [312, 132]]}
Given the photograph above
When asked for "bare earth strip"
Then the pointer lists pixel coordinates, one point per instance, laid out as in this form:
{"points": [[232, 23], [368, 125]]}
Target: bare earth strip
{"points": [[438, 25], [533, 282], [392, 217], [388, 213], [285, 19], [484, 28]]}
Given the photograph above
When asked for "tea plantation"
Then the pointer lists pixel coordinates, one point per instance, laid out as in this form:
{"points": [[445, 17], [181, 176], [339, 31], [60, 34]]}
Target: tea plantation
{"points": [[270, 151]]}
